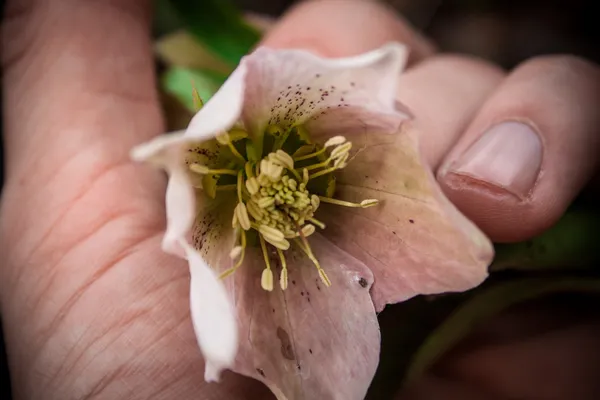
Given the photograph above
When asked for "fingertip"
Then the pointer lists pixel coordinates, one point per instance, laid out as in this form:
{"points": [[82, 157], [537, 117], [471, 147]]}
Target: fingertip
{"points": [[338, 28], [496, 211], [529, 151]]}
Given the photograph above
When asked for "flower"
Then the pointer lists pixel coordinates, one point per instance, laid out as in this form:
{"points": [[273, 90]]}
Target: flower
{"points": [[304, 171]]}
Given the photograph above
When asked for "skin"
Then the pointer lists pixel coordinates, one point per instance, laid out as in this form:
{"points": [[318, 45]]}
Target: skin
{"points": [[92, 308]]}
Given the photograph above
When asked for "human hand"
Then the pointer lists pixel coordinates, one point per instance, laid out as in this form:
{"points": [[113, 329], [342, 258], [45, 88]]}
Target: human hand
{"points": [[91, 306]]}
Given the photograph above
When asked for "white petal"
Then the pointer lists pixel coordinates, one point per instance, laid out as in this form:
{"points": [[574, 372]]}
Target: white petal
{"points": [[213, 316], [222, 111], [181, 210], [166, 151], [288, 87], [161, 151]]}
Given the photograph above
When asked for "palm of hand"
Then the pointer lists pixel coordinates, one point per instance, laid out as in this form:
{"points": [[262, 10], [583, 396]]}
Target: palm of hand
{"points": [[104, 302]]}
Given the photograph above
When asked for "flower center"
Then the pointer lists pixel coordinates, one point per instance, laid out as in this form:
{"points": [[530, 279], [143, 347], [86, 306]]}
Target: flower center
{"points": [[278, 195]]}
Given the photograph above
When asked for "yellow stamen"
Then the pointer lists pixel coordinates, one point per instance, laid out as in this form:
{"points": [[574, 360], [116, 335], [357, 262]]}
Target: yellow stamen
{"points": [[305, 150], [252, 186], [340, 162], [308, 230], [249, 171], [241, 214], [322, 172], [204, 170], [305, 247], [335, 141], [340, 150], [240, 185], [318, 165], [315, 201], [283, 278], [274, 200], [254, 210], [235, 252], [363, 204], [311, 155], [226, 187], [296, 174], [223, 138], [282, 158], [369, 203], [235, 151], [240, 260], [266, 202], [317, 223], [266, 280]]}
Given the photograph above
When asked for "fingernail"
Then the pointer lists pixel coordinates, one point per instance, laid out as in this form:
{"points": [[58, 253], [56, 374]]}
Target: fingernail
{"points": [[508, 155]]}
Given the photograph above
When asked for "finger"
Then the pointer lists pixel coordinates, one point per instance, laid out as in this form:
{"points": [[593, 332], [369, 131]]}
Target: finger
{"points": [[337, 28], [530, 150], [443, 93]]}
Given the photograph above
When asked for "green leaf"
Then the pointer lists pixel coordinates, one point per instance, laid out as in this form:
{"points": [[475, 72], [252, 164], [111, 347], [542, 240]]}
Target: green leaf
{"points": [[180, 82], [487, 303], [219, 25], [570, 244]]}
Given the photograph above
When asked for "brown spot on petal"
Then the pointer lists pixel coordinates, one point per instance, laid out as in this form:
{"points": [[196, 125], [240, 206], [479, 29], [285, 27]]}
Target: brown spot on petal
{"points": [[260, 372], [363, 282], [286, 345]]}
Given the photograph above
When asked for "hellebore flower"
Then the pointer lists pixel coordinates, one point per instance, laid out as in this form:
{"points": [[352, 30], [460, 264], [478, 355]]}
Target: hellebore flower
{"points": [[303, 207]]}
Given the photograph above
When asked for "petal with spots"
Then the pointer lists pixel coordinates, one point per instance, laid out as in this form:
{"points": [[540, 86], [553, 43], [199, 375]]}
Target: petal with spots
{"points": [[292, 87], [309, 341], [414, 241]]}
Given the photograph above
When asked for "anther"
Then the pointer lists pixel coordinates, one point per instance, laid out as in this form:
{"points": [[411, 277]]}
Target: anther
{"points": [[283, 278], [254, 210], [242, 216], [223, 139], [340, 151], [270, 233], [252, 185], [308, 230], [266, 280], [282, 158], [266, 202], [315, 201], [369, 203], [335, 141], [317, 223], [203, 169], [235, 252], [363, 204]]}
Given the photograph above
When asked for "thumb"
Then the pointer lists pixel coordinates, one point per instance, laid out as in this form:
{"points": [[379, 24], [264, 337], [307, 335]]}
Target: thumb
{"points": [[530, 150]]}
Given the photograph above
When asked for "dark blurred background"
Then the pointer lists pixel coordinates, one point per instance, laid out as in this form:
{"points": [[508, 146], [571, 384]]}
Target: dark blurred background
{"points": [[504, 31]]}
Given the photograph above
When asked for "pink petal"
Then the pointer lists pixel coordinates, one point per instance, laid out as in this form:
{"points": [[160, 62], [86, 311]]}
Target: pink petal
{"points": [[292, 87], [310, 341], [415, 241]]}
